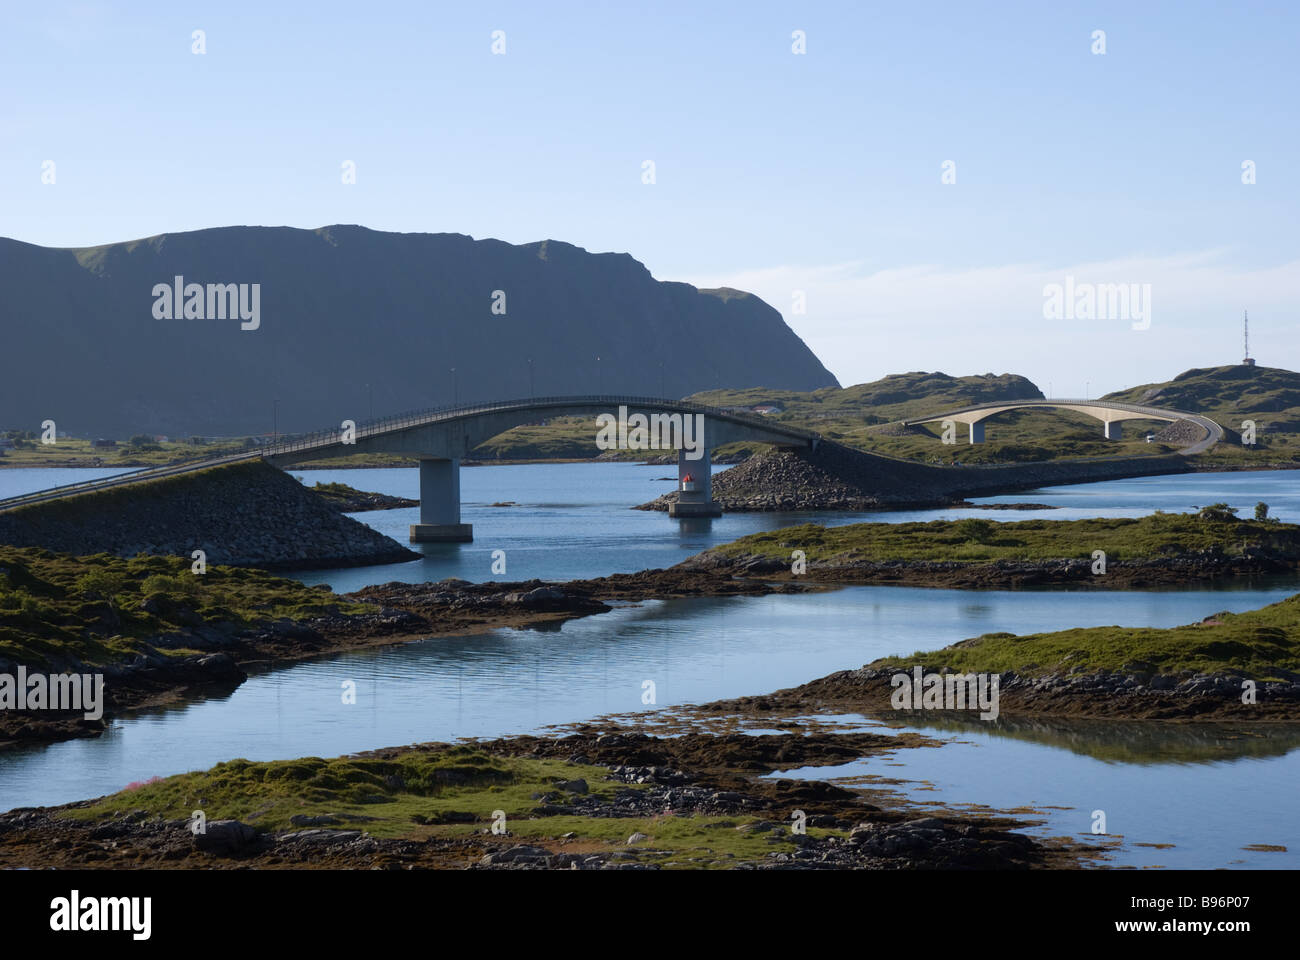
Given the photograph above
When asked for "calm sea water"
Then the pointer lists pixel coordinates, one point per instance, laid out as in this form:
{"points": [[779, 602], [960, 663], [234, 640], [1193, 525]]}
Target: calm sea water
{"points": [[572, 520], [1180, 797]]}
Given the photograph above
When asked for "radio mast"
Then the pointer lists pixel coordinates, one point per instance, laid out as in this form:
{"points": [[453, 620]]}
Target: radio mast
{"points": [[1245, 338]]}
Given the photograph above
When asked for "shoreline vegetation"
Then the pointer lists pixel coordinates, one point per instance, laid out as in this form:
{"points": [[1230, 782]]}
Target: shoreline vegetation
{"points": [[348, 499], [599, 797], [159, 633], [1227, 667], [606, 794], [974, 552]]}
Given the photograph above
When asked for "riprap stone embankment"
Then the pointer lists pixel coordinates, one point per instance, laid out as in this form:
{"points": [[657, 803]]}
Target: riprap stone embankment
{"points": [[248, 514], [836, 477]]}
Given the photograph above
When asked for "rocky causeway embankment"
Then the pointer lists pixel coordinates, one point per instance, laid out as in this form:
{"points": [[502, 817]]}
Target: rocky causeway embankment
{"points": [[836, 477], [246, 514]]}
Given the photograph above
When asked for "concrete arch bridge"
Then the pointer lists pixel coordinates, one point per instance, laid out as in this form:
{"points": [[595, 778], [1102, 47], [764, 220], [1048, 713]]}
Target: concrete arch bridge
{"points": [[1110, 413], [441, 437]]}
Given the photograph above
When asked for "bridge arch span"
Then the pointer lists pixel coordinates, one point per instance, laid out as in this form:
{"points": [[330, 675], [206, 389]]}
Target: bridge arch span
{"points": [[441, 438], [1110, 413], [452, 432]]}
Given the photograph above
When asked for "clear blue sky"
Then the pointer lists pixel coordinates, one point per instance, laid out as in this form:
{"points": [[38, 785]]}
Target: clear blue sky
{"points": [[775, 172]]}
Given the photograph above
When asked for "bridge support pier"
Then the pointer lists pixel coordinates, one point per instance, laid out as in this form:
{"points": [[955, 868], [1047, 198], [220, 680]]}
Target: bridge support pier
{"points": [[1114, 429], [440, 505], [977, 433], [694, 488]]}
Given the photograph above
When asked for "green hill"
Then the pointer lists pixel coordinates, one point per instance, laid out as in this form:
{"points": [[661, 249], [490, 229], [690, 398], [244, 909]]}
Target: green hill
{"points": [[843, 414], [1268, 395], [894, 397], [867, 416], [1231, 395]]}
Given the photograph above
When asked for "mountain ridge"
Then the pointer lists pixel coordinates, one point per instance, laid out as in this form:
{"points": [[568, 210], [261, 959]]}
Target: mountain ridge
{"points": [[348, 314]]}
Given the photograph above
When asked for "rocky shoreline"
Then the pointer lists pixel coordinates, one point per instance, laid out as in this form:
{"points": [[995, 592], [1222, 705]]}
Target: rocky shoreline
{"points": [[153, 679], [975, 575], [689, 796], [347, 499], [710, 785], [1140, 693], [455, 605], [837, 477], [403, 612]]}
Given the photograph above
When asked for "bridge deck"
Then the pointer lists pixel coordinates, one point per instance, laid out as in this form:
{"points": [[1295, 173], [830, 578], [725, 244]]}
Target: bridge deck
{"points": [[326, 441], [1213, 432]]}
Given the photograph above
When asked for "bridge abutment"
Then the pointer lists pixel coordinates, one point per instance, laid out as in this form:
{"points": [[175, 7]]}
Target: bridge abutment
{"points": [[694, 488], [440, 504], [977, 432], [1114, 429]]}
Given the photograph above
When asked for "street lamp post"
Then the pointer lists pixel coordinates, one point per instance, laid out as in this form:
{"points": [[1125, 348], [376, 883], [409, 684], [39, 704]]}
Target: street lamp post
{"points": [[531, 391], [455, 387], [275, 419]]}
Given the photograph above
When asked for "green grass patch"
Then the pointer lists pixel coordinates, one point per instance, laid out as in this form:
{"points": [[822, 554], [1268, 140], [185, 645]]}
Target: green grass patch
{"points": [[395, 792], [425, 793], [102, 609], [81, 452], [978, 540], [1257, 644]]}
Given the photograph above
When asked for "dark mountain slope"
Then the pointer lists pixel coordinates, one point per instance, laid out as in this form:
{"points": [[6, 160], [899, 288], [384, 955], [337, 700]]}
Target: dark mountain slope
{"points": [[343, 307]]}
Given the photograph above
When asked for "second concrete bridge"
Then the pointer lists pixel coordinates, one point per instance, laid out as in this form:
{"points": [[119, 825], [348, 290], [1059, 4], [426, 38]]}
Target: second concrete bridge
{"points": [[1112, 414]]}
